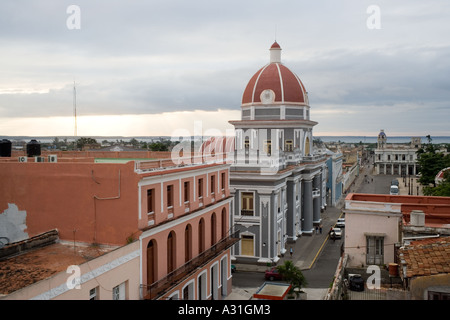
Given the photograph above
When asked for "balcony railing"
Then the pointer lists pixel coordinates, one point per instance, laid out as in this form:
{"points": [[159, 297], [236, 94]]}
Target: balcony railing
{"points": [[158, 288]]}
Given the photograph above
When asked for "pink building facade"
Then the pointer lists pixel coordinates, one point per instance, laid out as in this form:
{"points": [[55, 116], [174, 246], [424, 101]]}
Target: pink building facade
{"points": [[175, 218]]}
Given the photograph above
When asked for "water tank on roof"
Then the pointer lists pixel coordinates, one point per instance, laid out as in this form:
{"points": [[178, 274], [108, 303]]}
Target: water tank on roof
{"points": [[393, 269], [417, 218], [33, 148], [5, 148]]}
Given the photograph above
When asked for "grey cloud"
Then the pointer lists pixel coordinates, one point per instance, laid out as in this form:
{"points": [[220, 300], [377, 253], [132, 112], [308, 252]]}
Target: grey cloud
{"points": [[136, 57]]}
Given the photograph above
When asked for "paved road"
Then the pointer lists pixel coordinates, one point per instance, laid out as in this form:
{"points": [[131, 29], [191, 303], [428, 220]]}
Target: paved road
{"points": [[323, 268], [322, 272]]}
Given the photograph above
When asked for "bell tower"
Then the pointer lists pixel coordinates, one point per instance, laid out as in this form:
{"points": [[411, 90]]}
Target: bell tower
{"points": [[382, 139]]}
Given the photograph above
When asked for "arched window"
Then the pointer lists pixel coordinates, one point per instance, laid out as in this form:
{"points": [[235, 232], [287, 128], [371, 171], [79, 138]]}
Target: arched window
{"points": [[152, 257], [188, 243], [201, 235], [171, 250], [213, 228], [224, 223], [307, 147]]}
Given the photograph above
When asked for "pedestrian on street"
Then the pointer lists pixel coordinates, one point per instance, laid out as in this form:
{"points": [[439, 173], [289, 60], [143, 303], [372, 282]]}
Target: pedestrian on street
{"points": [[320, 229], [317, 230], [291, 251]]}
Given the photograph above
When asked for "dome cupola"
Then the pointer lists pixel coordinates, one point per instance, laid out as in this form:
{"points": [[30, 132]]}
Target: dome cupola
{"points": [[275, 84]]}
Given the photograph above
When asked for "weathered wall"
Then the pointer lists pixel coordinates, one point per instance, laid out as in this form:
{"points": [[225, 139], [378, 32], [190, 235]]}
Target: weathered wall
{"points": [[86, 202]]}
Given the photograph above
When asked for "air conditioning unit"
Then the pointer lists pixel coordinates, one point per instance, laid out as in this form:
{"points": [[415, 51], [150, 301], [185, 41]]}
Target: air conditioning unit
{"points": [[53, 158], [23, 159], [39, 159]]}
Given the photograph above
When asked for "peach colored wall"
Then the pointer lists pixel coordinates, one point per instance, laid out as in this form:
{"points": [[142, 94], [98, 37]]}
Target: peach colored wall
{"points": [[357, 224], [179, 208], [61, 195], [194, 277], [101, 154], [162, 234]]}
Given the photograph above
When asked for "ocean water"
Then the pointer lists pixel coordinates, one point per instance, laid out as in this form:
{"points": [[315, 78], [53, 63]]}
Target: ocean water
{"points": [[368, 139], [345, 139]]}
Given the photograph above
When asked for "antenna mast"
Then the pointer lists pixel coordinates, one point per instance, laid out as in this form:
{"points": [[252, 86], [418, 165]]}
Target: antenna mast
{"points": [[75, 107]]}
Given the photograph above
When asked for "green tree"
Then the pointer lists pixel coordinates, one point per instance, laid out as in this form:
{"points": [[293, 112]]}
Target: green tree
{"points": [[442, 189], [84, 141], [158, 146], [293, 275], [430, 164]]}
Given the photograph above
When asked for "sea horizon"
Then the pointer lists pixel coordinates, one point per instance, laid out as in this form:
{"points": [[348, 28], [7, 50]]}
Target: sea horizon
{"points": [[343, 139]]}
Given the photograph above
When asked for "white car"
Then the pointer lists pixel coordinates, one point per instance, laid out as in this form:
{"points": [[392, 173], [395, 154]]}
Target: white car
{"points": [[336, 233], [340, 223]]}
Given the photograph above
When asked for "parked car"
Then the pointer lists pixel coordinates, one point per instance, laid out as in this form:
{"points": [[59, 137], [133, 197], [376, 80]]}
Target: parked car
{"points": [[336, 233], [272, 274], [340, 223], [355, 282]]}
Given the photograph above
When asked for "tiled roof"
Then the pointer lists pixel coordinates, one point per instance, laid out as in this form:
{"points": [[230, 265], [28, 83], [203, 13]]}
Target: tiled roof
{"points": [[426, 257]]}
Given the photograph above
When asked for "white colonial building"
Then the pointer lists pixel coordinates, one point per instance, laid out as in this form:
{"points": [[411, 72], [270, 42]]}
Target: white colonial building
{"points": [[396, 159], [277, 180]]}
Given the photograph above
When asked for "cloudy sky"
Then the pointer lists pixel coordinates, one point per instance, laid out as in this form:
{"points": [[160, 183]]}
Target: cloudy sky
{"points": [[156, 67]]}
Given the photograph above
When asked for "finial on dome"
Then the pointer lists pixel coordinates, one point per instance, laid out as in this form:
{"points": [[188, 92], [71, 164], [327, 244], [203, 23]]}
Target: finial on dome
{"points": [[275, 53]]}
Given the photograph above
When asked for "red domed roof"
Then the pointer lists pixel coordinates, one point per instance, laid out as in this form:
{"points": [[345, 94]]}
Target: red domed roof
{"points": [[286, 86]]}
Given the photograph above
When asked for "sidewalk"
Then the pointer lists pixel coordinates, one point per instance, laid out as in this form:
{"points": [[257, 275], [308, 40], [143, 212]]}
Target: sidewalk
{"points": [[306, 249], [305, 252]]}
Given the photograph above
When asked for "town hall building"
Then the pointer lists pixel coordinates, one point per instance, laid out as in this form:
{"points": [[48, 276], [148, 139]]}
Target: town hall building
{"points": [[277, 181]]}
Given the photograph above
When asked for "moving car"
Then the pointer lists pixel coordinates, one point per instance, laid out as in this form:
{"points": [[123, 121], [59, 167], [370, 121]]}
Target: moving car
{"points": [[340, 223], [394, 182], [336, 233], [272, 274], [394, 191]]}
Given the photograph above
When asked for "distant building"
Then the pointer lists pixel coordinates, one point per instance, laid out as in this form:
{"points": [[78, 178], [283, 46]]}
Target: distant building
{"points": [[277, 179], [335, 185], [396, 160]]}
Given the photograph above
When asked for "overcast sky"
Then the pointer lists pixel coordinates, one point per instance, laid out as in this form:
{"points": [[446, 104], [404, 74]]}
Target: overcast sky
{"points": [[153, 67]]}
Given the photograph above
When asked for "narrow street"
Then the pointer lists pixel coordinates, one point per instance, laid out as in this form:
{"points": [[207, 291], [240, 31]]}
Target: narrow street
{"points": [[320, 270]]}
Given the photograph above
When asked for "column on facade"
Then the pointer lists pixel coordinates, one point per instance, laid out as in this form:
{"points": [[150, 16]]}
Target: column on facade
{"points": [[307, 217], [316, 199], [290, 218], [267, 242]]}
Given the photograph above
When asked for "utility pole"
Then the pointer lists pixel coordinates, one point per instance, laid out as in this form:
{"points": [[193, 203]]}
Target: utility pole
{"points": [[75, 108]]}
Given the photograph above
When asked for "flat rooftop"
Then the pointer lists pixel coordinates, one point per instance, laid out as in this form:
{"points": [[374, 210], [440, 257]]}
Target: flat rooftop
{"points": [[22, 270], [272, 291], [436, 209]]}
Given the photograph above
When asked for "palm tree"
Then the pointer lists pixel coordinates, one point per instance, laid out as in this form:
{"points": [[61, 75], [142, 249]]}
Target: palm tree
{"points": [[293, 275]]}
